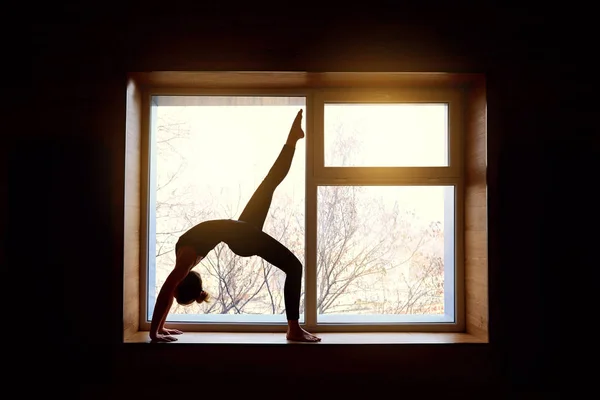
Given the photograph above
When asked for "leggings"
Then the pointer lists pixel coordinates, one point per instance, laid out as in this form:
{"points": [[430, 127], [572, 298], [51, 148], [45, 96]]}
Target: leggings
{"points": [[257, 242]]}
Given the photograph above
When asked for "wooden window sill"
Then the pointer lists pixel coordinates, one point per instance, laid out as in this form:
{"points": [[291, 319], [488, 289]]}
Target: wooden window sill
{"points": [[327, 338]]}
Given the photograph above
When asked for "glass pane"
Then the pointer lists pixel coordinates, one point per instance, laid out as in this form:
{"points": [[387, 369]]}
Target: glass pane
{"points": [[385, 254], [210, 154], [386, 135]]}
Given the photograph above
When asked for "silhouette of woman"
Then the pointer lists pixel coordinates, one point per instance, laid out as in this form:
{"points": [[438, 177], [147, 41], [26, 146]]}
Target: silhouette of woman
{"points": [[245, 238]]}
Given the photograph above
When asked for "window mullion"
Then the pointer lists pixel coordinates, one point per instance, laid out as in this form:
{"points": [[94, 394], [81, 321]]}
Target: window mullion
{"points": [[310, 282]]}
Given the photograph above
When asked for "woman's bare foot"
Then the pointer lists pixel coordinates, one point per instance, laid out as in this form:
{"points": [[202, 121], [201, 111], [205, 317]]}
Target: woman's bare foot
{"points": [[296, 132], [297, 334]]}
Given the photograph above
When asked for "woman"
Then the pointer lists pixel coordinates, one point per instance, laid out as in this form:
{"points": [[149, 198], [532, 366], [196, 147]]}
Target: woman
{"points": [[245, 238]]}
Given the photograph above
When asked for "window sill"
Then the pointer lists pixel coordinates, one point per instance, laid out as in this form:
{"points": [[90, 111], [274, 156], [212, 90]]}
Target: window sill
{"points": [[327, 338]]}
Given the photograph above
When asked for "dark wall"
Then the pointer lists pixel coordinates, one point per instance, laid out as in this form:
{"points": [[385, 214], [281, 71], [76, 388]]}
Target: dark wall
{"points": [[66, 182]]}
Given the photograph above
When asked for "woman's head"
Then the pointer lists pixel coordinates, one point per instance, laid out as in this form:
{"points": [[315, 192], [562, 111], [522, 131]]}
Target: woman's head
{"points": [[190, 290]]}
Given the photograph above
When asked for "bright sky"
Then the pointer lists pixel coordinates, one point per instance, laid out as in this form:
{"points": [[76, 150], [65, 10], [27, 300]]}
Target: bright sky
{"points": [[389, 135], [234, 147], [231, 148]]}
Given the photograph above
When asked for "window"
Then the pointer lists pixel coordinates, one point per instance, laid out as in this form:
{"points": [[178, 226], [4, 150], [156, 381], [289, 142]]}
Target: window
{"points": [[381, 204]]}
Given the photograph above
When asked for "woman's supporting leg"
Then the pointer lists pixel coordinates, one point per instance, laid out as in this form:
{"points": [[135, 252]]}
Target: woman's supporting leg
{"points": [[274, 252], [257, 208]]}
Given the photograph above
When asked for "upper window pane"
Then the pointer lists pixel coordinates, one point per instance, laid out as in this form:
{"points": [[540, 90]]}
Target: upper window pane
{"points": [[386, 135]]}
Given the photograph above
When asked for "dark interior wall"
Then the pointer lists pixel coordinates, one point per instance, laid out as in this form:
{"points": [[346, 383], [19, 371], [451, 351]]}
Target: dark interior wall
{"points": [[68, 169]]}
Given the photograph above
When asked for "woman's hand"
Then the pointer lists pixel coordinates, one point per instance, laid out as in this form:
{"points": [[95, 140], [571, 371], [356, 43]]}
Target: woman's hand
{"points": [[164, 335]]}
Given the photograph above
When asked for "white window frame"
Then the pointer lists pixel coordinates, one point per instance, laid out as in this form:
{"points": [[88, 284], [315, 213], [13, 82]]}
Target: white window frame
{"points": [[319, 175]]}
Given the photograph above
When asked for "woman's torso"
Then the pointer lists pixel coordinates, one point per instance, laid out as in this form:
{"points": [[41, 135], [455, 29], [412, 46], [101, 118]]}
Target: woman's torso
{"points": [[208, 234]]}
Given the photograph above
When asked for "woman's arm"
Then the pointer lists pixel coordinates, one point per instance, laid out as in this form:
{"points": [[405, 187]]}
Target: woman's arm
{"points": [[164, 301]]}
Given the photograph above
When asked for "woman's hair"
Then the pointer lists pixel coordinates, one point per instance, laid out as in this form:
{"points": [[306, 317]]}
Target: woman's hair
{"points": [[190, 290]]}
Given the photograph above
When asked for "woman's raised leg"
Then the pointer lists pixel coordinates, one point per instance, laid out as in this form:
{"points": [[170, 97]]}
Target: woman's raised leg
{"points": [[257, 208]]}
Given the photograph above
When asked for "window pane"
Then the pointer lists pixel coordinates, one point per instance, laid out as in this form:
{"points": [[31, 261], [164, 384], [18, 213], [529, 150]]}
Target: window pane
{"points": [[210, 154], [386, 135], [385, 254]]}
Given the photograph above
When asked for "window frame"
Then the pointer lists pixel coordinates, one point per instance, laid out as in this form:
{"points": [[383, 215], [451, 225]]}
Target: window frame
{"points": [[317, 175], [385, 96]]}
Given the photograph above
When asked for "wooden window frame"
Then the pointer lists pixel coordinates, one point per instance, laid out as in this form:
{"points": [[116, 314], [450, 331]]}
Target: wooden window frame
{"points": [[467, 163]]}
